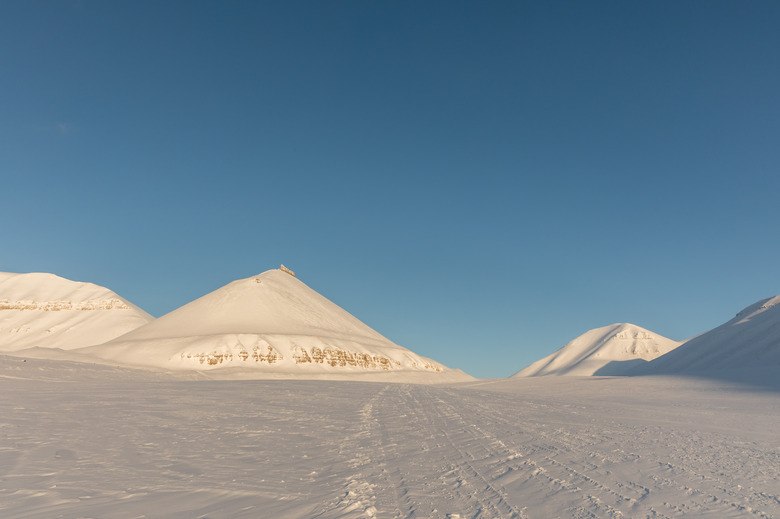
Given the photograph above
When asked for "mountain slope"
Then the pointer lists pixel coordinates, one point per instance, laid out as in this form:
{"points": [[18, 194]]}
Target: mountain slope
{"points": [[269, 322], [750, 339], [610, 350], [48, 311]]}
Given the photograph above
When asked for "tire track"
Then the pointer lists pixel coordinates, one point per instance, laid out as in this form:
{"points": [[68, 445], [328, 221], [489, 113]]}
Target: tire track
{"points": [[486, 498], [557, 458], [358, 497], [540, 468], [438, 452]]}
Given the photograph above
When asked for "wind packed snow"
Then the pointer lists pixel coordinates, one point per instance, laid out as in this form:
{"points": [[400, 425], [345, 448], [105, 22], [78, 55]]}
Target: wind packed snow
{"points": [[78, 440]]}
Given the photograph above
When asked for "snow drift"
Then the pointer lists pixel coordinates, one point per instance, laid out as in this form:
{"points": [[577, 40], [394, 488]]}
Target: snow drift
{"points": [[47, 311], [610, 350], [270, 322], [750, 340]]}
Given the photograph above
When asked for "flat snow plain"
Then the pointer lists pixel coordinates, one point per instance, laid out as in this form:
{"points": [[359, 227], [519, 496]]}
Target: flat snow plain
{"points": [[90, 441]]}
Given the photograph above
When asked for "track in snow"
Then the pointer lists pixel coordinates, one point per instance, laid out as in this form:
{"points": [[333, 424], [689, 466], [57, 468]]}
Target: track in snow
{"points": [[99, 442]]}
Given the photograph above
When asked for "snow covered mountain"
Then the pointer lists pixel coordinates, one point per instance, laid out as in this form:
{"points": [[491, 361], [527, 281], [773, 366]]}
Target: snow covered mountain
{"points": [[610, 350], [270, 322], [751, 339], [48, 311]]}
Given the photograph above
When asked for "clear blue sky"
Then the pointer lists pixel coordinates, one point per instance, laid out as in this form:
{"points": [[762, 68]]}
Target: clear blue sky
{"points": [[478, 181]]}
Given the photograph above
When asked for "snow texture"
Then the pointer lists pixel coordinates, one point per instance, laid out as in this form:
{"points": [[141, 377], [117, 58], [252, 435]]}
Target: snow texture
{"points": [[610, 350], [47, 311], [92, 441]]}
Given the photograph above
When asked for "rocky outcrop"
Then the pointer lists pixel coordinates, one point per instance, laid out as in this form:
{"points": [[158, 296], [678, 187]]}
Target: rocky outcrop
{"points": [[258, 354], [342, 358], [56, 306]]}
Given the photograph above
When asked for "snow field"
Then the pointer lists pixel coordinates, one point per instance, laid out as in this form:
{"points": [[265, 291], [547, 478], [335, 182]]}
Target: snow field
{"points": [[80, 440]]}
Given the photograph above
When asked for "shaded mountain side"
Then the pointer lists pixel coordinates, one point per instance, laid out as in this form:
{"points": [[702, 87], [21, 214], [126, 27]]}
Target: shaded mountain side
{"points": [[750, 339]]}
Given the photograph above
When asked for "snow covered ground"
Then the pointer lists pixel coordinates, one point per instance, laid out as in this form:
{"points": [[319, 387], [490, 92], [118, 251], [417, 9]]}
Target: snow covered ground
{"points": [[90, 441]]}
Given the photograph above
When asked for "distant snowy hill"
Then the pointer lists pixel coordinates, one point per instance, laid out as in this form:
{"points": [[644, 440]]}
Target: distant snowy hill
{"points": [[270, 322], [751, 339], [610, 350], [47, 311]]}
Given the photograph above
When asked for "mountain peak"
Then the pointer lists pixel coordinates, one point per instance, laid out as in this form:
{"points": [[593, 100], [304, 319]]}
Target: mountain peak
{"points": [[609, 350], [268, 322]]}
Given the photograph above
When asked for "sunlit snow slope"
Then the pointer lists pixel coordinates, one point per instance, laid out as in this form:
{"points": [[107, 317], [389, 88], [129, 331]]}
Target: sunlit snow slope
{"points": [[48, 311], [271, 322], [751, 339], [610, 350]]}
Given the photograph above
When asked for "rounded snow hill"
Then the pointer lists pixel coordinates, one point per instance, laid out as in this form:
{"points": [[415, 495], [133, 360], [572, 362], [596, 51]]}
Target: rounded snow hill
{"points": [[47, 311], [271, 322], [610, 350], [751, 339]]}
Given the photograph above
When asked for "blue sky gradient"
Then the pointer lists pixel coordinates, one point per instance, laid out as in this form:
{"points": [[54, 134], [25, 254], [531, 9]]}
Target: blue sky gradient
{"points": [[479, 182]]}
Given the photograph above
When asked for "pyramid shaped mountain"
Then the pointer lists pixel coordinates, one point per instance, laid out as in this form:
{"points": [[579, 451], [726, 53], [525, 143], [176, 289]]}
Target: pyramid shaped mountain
{"points": [[47, 311], [750, 339], [271, 322], [610, 350]]}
